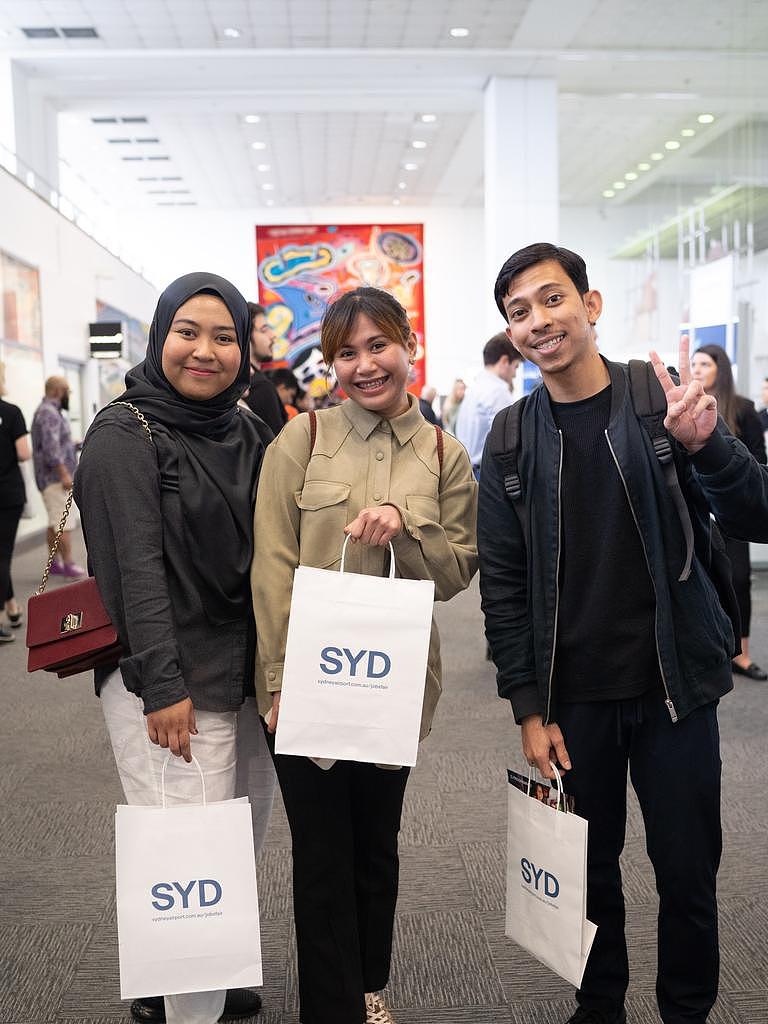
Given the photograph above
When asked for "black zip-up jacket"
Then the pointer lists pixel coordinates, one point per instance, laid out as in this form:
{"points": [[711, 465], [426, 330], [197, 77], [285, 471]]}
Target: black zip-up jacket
{"points": [[519, 588]]}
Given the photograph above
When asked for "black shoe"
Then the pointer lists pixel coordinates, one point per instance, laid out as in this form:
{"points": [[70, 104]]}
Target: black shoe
{"points": [[240, 1002], [6, 637], [584, 1016], [14, 620], [752, 671]]}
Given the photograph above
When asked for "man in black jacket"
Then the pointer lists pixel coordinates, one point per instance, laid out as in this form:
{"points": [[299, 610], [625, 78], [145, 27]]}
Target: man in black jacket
{"points": [[604, 624], [262, 397]]}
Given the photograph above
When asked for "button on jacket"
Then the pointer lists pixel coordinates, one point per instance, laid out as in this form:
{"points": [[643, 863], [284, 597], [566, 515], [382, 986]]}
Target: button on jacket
{"points": [[304, 502]]}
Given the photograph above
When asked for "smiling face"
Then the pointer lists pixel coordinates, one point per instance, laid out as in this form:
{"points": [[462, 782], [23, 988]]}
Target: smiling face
{"points": [[372, 368], [704, 370], [201, 356], [550, 323]]}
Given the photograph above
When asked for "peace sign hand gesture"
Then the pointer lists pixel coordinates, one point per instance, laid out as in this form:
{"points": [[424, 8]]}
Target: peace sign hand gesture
{"points": [[691, 413]]}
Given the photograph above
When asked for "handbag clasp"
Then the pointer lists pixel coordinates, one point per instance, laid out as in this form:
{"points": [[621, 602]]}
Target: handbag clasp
{"points": [[72, 621]]}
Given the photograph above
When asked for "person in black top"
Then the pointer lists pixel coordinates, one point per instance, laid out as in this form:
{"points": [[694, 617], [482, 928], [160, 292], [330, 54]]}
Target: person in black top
{"points": [[603, 622], [262, 397], [711, 366], [14, 448], [168, 524]]}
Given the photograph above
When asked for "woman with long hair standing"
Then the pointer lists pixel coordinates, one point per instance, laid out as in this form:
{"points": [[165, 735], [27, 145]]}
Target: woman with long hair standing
{"points": [[710, 364], [374, 473], [168, 523]]}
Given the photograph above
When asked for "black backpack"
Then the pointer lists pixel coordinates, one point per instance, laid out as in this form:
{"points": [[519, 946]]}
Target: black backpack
{"points": [[650, 405]]}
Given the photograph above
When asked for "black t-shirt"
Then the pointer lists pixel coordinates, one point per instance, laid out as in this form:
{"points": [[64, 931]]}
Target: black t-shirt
{"points": [[263, 399], [12, 427], [605, 647]]}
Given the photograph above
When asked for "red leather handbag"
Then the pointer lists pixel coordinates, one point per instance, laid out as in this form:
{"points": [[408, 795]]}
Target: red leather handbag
{"points": [[69, 629]]}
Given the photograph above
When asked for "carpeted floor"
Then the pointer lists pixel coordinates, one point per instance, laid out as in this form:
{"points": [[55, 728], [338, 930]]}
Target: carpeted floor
{"points": [[452, 963]]}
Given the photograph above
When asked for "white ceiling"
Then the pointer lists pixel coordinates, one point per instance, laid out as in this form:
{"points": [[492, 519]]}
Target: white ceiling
{"points": [[340, 87]]}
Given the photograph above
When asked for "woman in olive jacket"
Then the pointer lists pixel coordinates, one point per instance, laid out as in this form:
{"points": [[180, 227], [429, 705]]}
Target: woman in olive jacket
{"points": [[376, 472]]}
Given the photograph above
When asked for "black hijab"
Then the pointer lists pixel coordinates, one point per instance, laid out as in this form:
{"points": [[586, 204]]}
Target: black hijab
{"points": [[219, 452]]}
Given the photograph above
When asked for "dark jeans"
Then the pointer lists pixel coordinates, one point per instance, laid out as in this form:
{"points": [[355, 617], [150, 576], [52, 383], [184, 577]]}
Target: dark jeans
{"points": [[344, 825], [9, 524], [675, 771]]}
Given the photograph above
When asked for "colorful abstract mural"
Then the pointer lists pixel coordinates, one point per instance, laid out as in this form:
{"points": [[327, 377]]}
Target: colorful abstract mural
{"points": [[301, 269]]}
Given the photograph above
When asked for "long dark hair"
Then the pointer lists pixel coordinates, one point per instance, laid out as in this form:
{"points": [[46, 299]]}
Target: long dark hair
{"points": [[725, 390]]}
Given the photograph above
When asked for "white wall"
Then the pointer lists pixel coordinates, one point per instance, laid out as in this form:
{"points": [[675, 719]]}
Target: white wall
{"points": [[75, 272]]}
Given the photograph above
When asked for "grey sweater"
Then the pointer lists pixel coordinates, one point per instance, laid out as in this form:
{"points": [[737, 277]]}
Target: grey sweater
{"points": [[127, 489]]}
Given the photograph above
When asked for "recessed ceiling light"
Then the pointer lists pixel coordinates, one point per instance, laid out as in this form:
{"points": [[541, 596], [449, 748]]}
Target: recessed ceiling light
{"points": [[706, 118], [401, 185], [688, 133], [619, 185], [232, 33], [263, 168], [459, 33], [268, 186], [428, 118], [258, 145], [657, 156], [419, 144], [643, 167], [630, 176], [609, 193], [672, 144], [251, 118], [410, 167]]}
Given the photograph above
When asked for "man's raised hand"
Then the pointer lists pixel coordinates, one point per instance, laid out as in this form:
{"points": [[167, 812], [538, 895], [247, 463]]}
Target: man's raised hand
{"points": [[691, 412]]}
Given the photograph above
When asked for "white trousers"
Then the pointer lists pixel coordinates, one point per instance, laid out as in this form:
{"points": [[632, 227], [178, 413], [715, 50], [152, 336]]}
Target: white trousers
{"points": [[235, 760]]}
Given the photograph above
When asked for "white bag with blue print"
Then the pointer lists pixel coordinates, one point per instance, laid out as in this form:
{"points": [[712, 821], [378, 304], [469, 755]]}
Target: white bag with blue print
{"points": [[547, 884], [187, 905], [355, 666]]}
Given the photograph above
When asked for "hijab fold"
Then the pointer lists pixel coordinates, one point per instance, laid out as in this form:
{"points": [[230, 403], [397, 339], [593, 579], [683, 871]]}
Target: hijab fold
{"points": [[219, 452]]}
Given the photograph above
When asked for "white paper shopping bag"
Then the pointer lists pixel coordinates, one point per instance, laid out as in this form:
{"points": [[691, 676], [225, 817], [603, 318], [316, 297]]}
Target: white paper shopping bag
{"points": [[355, 666], [187, 905], [547, 884]]}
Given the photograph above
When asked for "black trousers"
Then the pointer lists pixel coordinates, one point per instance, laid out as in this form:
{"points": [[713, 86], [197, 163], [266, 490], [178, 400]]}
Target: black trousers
{"points": [[9, 524], [675, 771], [344, 825], [741, 569]]}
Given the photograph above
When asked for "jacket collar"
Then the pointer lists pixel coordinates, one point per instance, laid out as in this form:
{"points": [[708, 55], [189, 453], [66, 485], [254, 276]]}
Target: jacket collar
{"points": [[404, 427], [618, 378]]}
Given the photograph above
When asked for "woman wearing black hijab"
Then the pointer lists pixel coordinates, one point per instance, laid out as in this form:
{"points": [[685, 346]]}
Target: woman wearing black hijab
{"points": [[168, 527]]}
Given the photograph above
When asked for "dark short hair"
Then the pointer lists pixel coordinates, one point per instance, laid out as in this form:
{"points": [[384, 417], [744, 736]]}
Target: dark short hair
{"points": [[379, 306], [523, 259], [496, 347], [256, 309], [284, 376]]}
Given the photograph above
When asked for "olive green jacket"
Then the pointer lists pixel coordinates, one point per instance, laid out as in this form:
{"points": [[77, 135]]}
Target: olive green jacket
{"points": [[305, 500]]}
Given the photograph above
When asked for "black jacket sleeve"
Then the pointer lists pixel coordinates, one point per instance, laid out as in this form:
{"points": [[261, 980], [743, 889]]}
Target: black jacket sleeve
{"points": [[750, 430], [735, 486], [504, 593], [117, 488]]}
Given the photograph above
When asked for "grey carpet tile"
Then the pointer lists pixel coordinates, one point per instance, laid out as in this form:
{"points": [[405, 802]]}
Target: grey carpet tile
{"points": [[486, 867], [273, 875], [742, 756], [642, 1009], [423, 822], [443, 959], [277, 953], [544, 1011], [65, 784], [744, 864], [55, 943], [278, 834], [432, 879], [524, 979], [453, 1015], [493, 732], [475, 818], [752, 1004], [744, 941], [55, 890], [33, 987], [473, 771], [61, 830], [94, 989]]}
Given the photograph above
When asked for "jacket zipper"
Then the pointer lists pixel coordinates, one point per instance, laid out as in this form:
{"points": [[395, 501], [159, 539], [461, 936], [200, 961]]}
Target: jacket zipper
{"points": [[557, 576], [668, 701]]}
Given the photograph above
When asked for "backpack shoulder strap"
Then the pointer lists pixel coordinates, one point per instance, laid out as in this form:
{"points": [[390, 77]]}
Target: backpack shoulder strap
{"points": [[312, 430], [650, 404], [504, 445]]}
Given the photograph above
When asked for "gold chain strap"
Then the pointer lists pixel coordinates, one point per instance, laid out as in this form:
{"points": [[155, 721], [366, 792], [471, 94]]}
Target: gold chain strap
{"points": [[70, 496]]}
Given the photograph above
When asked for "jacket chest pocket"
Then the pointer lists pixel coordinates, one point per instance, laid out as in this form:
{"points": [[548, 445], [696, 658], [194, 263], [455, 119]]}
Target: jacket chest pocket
{"points": [[324, 507]]}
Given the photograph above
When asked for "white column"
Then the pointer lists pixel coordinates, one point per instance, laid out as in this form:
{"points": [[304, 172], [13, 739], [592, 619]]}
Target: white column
{"points": [[521, 171]]}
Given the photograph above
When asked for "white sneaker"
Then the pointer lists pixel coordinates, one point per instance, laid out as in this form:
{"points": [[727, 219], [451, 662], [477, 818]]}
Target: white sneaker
{"points": [[376, 1011]]}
